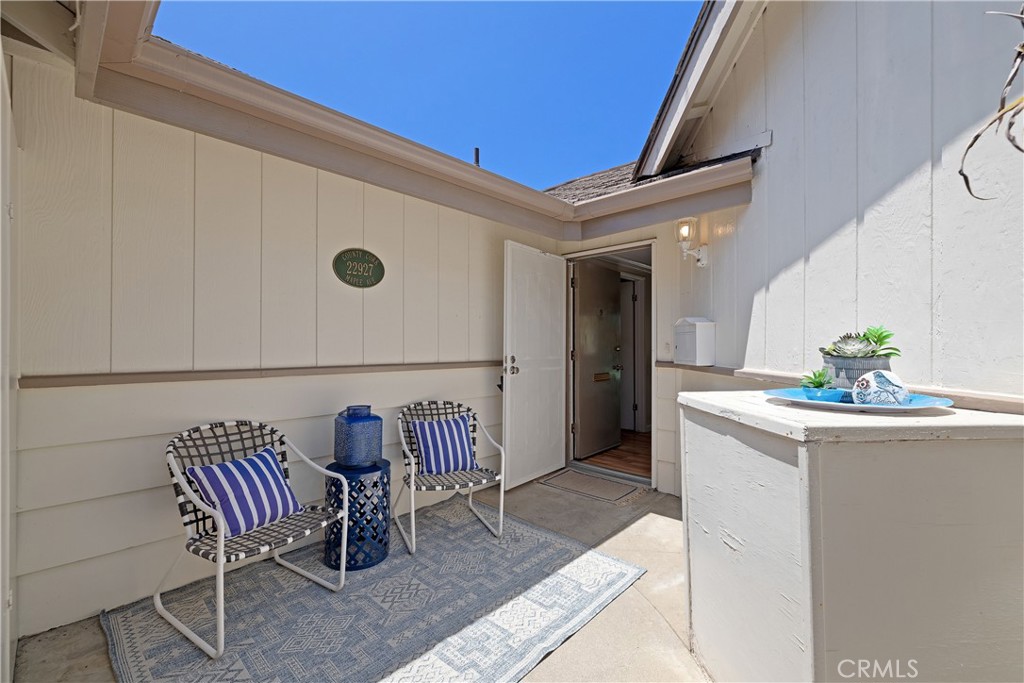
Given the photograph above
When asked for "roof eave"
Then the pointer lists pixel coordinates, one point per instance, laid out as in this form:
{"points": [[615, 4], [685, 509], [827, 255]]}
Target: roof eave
{"points": [[718, 36], [706, 179], [116, 37], [685, 60], [116, 40]]}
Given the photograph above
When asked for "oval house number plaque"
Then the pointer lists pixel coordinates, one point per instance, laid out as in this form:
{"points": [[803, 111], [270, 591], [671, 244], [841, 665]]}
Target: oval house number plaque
{"points": [[358, 268]]}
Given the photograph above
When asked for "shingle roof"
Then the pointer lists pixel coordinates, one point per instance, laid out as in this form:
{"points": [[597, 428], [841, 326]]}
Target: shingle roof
{"points": [[594, 185], [620, 178]]}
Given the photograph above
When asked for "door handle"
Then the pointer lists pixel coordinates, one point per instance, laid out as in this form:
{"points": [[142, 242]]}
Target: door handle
{"points": [[616, 367]]}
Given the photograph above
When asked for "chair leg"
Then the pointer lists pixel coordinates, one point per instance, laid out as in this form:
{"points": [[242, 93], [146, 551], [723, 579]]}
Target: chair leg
{"points": [[501, 507], [185, 630], [410, 544], [501, 510], [313, 577]]}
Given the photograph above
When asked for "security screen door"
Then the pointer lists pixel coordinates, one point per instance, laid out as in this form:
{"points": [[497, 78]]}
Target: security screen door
{"points": [[534, 363]]}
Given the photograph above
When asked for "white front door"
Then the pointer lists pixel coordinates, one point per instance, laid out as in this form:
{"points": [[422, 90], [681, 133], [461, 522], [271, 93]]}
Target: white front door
{"points": [[534, 359]]}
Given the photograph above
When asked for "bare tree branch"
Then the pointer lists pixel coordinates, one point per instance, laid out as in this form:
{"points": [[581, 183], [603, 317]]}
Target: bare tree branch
{"points": [[1010, 111], [1011, 120], [977, 136]]}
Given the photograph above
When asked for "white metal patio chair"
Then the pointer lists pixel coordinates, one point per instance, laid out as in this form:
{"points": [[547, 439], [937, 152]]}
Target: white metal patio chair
{"points": [[207, 529], [415, 480]]}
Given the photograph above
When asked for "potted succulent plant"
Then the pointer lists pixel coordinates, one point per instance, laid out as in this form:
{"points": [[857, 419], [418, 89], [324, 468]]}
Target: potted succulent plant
{"points": [[856, 353], [817, 386]]}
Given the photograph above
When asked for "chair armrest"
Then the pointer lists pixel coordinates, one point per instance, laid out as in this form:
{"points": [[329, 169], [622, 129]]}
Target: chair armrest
{"points": [[501, 449], [322, 470], [490, 438]]}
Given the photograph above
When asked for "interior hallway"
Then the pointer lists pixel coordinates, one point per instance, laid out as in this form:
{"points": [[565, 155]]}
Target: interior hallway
{"points": [[632, 457]]}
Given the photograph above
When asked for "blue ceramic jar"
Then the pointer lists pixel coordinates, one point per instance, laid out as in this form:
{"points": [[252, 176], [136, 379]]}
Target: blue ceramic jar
{"points": [[357, 437]]}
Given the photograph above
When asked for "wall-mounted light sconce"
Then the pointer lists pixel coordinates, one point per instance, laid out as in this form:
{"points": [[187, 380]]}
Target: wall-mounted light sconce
{"points": [[686, 229]]}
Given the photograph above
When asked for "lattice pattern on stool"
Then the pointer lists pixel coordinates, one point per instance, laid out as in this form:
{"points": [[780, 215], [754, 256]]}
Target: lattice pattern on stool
{"points": [[369, 532]]}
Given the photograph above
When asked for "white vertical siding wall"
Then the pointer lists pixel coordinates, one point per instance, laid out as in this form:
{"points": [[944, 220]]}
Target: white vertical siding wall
{"points": [[289, 265], [153, 238], [151, 248], [858, 215], [145, 247], [65, 157]]}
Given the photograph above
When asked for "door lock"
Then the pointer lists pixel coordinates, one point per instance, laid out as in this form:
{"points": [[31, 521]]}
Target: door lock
{"points": [[616, 367]]}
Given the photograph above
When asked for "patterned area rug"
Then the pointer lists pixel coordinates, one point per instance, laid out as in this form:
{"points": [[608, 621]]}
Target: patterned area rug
{"points": [[464, 607]]}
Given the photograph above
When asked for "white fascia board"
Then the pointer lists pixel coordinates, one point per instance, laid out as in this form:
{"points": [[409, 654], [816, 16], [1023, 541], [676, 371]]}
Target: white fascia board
{"points": [[728, 29], [172, 66], [203, 116], [683, 185], [128, 26], [109, 33], [705, 50]]}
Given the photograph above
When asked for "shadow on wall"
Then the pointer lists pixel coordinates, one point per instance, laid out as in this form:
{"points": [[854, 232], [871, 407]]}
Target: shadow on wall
{"points": [[858, 216]]}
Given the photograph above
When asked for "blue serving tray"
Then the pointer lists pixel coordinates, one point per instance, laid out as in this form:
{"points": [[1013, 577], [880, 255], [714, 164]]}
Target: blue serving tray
{"points": [[917, 402]]}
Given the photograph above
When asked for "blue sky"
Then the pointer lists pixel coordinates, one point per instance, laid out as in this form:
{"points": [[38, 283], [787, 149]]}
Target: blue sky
{"points": [[549, 91]]}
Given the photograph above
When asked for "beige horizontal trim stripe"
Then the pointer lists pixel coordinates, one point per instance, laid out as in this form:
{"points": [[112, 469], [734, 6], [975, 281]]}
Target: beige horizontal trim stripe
{"points": [[962, 398], [52, 381], [710, 369]]}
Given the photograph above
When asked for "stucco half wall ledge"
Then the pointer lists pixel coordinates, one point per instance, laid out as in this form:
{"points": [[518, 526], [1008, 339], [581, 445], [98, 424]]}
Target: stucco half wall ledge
{"points": [[753, 408], [962, 398]]}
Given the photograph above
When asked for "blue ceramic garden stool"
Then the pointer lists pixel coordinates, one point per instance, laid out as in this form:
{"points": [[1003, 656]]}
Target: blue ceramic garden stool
{"points": [[369, 516]]}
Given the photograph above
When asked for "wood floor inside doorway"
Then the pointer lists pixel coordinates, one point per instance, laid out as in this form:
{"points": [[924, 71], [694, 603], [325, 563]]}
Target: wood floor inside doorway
{"points": [[632, 457]]}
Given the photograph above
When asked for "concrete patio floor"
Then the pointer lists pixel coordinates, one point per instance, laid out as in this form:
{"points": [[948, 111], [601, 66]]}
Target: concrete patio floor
{"points": [[638, 637]]}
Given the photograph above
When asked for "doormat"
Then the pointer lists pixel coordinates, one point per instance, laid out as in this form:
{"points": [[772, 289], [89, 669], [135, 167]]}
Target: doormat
{"points": [[599, 488], [465, 607]]}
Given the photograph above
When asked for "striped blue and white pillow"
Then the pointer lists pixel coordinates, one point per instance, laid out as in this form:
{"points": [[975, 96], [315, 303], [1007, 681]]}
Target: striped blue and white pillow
{"points": [[445, 445], [251, 492]]}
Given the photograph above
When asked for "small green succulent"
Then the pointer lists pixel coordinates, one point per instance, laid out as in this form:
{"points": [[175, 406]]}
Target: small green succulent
{"points": [[872, 342], [817, 379], [880, 337], [850, 345]]}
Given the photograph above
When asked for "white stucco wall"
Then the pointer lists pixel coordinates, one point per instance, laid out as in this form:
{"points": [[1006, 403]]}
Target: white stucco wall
{"points": [[818, 539], [858, 215]]}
